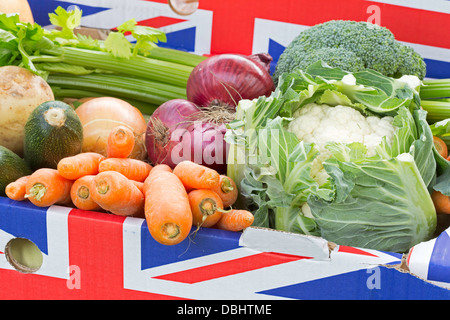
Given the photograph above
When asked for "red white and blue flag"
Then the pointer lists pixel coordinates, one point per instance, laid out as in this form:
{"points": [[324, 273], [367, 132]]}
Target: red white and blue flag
{"points": [[93, 255], [96, 255], [252, 26]]}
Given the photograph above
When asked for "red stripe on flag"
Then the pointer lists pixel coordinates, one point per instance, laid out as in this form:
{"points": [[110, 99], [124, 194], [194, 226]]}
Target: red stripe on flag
{"points": [[158, 22], [234, 20], [231, 267], [355, 251]]}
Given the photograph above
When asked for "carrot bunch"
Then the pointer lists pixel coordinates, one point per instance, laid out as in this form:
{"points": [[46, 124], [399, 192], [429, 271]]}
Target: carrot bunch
{"points": [[211, 196], [171, 201], [91, 181]]}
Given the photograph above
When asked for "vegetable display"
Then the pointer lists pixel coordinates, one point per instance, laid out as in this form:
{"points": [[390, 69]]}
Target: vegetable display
{"points": [[346, 140], [350, 184]]}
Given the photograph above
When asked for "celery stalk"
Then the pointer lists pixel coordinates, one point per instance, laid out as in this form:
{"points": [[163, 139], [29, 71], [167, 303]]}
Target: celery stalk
{"points": [[435, 88], [139, 66], [438, 109], [176, 56]]}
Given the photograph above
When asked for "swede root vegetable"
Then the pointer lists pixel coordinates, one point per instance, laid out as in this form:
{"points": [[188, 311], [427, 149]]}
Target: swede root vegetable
{"points": [[21, 92]]}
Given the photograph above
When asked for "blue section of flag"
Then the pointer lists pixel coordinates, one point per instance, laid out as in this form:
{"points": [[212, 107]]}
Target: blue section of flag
{"points": [[41, 9], [437, 69], [440, 257], [198, 244], [275, 50], [370, 284], [181, 40], [24, 219]]}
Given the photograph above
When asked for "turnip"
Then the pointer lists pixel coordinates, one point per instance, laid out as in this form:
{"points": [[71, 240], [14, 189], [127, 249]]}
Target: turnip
{"points": [[20, 92]]}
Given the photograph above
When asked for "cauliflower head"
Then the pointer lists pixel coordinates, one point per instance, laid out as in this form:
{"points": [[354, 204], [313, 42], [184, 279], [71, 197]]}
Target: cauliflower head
{"points": [[321, 124]]}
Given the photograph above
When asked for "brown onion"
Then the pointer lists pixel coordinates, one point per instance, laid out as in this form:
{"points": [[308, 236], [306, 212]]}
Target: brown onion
{"points": [[100, 115]]}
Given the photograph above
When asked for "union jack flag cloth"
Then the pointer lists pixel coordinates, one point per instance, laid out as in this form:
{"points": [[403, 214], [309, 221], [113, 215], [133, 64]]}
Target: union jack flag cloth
{"points": [[103, 256], [251, 26]]}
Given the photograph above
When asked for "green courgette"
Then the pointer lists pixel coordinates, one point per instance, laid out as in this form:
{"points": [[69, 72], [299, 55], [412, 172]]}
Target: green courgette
{"points": [[12, 167], [53, 131]]}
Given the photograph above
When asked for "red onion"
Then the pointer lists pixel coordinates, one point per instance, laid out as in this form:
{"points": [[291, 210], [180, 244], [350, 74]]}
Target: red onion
{"points": [[180, 130], [228, 78]]}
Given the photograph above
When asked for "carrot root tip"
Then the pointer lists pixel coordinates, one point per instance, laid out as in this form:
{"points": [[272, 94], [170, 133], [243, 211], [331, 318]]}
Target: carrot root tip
{"points": [[207, 206], [83, 192], [102, 187], [170, 230], [37, 191], [226, 185]]}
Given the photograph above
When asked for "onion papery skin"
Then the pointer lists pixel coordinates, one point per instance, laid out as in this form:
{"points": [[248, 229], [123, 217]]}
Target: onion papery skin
{"points": [[100, 115], [175, 132], [213, 150], [175, 116], [228, 78]]}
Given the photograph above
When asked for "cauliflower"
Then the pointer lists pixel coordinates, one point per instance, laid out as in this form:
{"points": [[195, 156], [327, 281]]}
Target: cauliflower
{"points": [[321, 123]]}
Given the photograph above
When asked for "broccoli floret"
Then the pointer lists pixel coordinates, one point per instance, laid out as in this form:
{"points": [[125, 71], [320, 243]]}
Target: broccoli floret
{"points": [[336, 57], [351, 46]]}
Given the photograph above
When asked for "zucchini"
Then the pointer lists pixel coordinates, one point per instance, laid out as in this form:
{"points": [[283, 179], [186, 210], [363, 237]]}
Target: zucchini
{"points": [[53, 131], [12, 168]]}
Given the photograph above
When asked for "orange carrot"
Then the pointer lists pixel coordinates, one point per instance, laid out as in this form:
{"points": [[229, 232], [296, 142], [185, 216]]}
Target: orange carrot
{"points": [[133, 169], [196, 176], [167, 210], [235, 220], [117, 194], [441, 146], [227, 190], [120, 142], [81, 195], [46, 187], [16, 190], [206, 207], [139, 185], [74, 167], [157, 168], [441, 202]]}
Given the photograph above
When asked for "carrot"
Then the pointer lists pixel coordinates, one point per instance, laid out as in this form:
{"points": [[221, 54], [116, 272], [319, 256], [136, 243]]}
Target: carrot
{"points": [[196, 176], [46, 187], [120, 142], [133, 169], [81, 164], [139, 185], [117, 194], [157, 168], [235, 220], [227, 190], [167, 210], [16, 190], [81, 195], [441, 146], [441, 202], [206, 207]]}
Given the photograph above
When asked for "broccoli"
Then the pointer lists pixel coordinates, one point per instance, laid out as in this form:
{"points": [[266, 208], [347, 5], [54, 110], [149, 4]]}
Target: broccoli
{"points": [[352, 46]]}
